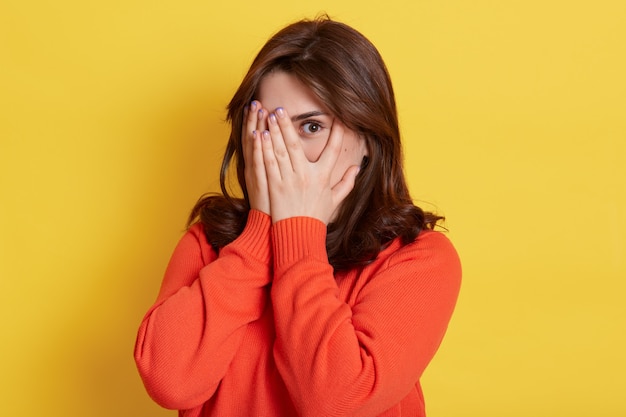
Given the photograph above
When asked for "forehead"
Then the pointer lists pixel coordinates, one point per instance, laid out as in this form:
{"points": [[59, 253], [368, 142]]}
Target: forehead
{"points": [[281, 89]]}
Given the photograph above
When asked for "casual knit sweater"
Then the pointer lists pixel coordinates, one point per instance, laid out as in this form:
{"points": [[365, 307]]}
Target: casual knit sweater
{"points": [[266, 328]]}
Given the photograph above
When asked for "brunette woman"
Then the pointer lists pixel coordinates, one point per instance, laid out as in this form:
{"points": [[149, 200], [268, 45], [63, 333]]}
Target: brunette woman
{"points": [[322, 290]]}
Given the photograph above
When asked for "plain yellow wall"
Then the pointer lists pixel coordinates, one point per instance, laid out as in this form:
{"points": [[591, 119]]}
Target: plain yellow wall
{"points": [[514, 120]]}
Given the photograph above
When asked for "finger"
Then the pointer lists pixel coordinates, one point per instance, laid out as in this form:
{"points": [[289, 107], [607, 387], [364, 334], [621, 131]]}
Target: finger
{"points": [[332, 150], [249, 125], [291, 138], [272, 169], [261, 118], [251, 118], [278, 142], [258, 164], [343, 187]]}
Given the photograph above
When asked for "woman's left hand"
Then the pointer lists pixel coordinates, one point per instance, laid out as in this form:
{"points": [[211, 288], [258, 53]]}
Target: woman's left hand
{"points": [[298, 187]]}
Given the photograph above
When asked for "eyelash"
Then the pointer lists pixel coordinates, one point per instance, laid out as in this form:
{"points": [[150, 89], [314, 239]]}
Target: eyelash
{"points": [[311, 123]]}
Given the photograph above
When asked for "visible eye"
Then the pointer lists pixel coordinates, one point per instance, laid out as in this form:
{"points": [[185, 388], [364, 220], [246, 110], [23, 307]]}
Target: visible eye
{"points": [[311, 128]]}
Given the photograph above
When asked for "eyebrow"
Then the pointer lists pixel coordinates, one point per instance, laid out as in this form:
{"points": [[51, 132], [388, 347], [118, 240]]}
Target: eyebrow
{"points": [[307, 115]]}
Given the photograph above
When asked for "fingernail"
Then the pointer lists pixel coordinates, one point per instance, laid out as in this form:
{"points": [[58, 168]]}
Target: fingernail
{"points": [[272, 118], [280, 112], [253, 105], [254, 133], [261, 113], [266, 134]]}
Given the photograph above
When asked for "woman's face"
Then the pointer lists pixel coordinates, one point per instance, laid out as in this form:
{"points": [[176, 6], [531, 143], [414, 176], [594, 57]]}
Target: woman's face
{"points": [[311, 119]]}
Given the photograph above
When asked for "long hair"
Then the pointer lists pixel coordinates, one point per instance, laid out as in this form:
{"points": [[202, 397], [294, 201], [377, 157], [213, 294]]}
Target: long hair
{"points": [[346, 72]]}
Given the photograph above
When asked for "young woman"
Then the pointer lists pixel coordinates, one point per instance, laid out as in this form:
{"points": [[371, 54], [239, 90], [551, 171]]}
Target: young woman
{"points": [[323, 291]]}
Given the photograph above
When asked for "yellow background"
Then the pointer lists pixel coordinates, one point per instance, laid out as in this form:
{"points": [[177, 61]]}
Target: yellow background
{"points": [[514, 120]]}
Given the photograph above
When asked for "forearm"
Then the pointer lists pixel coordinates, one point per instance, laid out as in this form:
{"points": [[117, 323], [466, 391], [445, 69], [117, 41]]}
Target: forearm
{"points": [[188, 339], [359, 356], [313, 326]]}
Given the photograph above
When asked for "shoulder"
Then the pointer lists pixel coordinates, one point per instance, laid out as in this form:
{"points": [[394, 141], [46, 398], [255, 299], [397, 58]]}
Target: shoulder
{"points": [[431, 251], [194, 242], [424, 272], [432, 245], [428, 244], [197, 231]]}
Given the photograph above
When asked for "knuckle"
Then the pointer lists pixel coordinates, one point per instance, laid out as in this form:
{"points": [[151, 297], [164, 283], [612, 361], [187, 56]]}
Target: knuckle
{"points": [[281, 152]]}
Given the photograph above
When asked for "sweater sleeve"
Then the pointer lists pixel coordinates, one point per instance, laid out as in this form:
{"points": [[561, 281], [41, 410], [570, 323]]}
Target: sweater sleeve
{"points": [[359, 359], [189, 337]]}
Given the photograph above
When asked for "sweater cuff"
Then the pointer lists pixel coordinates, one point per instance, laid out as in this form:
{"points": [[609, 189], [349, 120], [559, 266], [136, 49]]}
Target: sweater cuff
{"points": [[297, 238], [256, 235]]}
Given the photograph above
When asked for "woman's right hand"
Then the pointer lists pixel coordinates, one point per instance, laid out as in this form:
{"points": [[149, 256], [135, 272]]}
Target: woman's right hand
{"points": [[254, 123]]}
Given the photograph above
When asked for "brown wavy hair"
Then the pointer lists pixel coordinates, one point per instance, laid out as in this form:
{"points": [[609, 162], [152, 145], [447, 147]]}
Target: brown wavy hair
{"points": [[346, 72]]}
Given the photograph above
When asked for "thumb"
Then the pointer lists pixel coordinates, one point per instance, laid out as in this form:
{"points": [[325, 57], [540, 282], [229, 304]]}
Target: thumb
{"points": [[343, 187]]}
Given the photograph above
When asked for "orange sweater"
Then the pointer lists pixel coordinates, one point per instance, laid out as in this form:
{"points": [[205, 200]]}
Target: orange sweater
{"points": [[266, 329]]}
